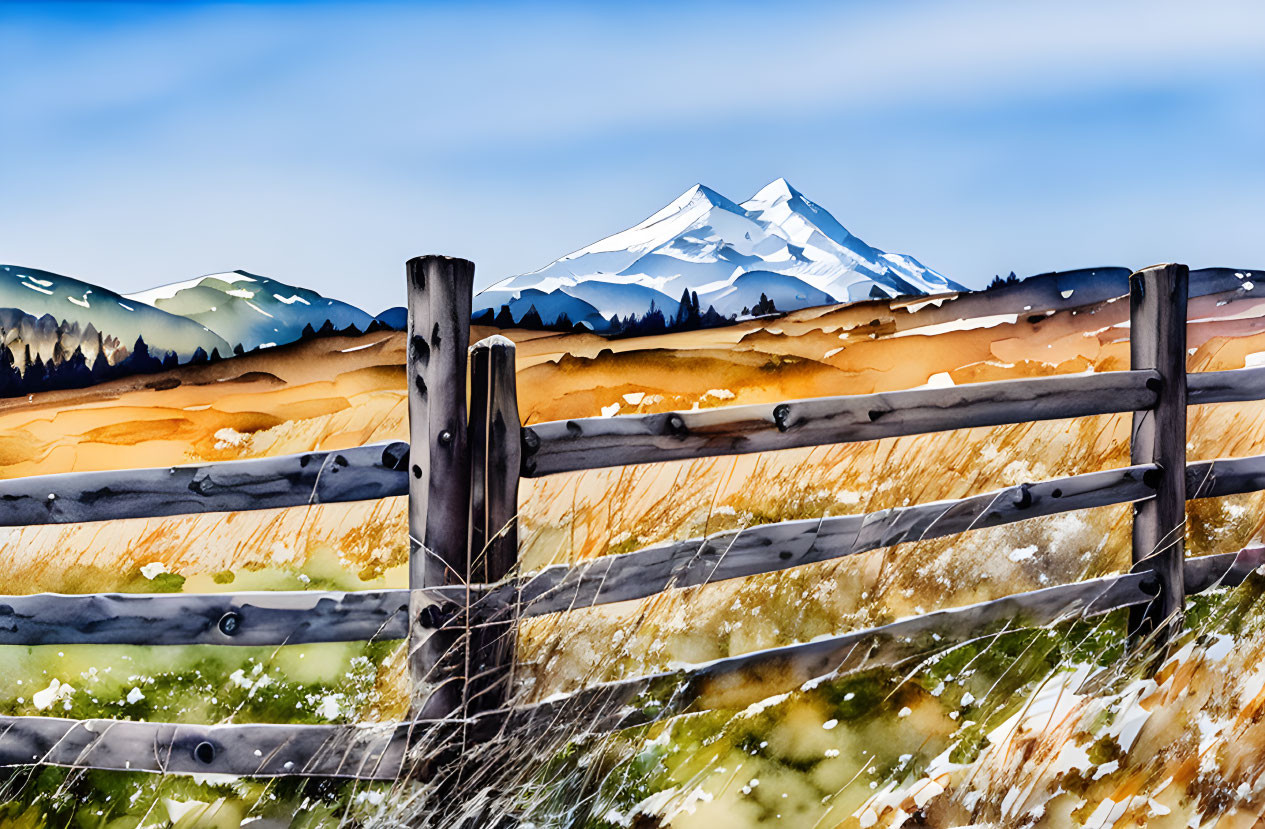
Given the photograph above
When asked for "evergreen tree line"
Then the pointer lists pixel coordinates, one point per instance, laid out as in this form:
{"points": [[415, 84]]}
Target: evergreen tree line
{"points": [[27, 374], [688, 317], [23, 370], [999, 282]]}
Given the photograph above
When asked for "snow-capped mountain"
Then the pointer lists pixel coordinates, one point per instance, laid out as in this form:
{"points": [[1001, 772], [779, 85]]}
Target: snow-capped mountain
{"points": [[252, 310], [64, 298], [777, 244]]}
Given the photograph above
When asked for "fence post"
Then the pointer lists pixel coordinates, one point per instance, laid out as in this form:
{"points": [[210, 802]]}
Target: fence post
{"points": [[1157, 340], [439, 296], [495, 452]]}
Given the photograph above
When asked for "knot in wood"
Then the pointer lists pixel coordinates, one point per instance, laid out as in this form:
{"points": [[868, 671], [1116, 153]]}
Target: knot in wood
{"points": [[1023, 498], [445, 438], [395, 456], [782, 416], [204, 753], [676, 426], [531, 441], [435, 616]]}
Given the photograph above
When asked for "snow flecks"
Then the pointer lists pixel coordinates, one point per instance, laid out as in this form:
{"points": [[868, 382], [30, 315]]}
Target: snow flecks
{"points": [[1022, 553], [611, 410], [718, 394], [153, 570], [229, 438], [255, 307], [634, 398], [959, 325]]}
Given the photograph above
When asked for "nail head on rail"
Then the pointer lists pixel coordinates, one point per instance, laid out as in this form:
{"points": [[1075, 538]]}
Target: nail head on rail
{"points": [[230, 623], [204, 753]]}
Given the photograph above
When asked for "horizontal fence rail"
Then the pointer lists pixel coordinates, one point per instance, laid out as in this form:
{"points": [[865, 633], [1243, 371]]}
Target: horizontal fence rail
{"points": [[266, 617], [363, 473], [262, 618], [305, 616], [1236, 385], [364, 752], [773, 547], [377, 752], [1225, 476], [600, 442], [770, 548], [718, 684]]}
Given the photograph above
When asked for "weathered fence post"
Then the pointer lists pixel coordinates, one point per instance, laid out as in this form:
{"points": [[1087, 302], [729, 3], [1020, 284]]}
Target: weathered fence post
{"points": [[495, 450], [1157, 340], [439, 295]]}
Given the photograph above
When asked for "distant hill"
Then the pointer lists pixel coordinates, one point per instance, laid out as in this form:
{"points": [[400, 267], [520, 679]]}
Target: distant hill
{"points": [[58, 332], [252, 311], [65, 299]]}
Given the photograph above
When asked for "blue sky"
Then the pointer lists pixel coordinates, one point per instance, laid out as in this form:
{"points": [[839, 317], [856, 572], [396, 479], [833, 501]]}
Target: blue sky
{"points": [[325, 143]]}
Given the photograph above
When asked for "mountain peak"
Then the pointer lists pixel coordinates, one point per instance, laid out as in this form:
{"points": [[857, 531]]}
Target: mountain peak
{"points": [[698, 194], [779, 188]]}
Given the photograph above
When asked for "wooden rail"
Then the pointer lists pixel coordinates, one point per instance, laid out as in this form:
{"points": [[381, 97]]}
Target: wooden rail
{"points": [[465, 597], [769, 548], [597, 442], [272, 617], [719, 684], [365, 473], [368, 752]]}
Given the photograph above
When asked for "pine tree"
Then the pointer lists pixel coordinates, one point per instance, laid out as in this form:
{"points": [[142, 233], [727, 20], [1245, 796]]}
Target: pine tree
{"points": [[10, 377], [101, 368], [531, 320]]}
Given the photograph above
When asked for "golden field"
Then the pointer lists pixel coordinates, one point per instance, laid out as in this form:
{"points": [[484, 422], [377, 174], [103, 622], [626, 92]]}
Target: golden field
{"points": [[338, 392]]}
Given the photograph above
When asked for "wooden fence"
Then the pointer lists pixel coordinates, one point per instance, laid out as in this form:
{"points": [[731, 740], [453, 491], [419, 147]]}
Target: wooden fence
{"points": [[461, 469]]}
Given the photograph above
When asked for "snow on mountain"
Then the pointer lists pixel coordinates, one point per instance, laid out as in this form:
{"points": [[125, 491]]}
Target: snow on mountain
{"points": [[252, 310], [777, 243], [64, 298]]}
